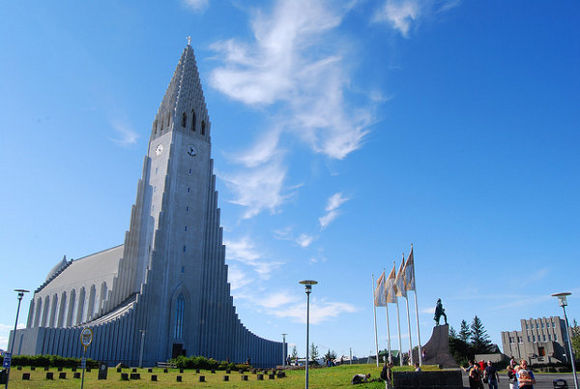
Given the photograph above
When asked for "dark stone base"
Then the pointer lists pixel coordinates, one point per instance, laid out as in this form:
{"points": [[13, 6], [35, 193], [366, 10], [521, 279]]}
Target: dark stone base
{"points": [[448, 379]]}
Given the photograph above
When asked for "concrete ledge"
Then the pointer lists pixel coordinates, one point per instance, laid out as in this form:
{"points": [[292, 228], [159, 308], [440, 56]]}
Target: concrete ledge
{"points": [[449, 379]]}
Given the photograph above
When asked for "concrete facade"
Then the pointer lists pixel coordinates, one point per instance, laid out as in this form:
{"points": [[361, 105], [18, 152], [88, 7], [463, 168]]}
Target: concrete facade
{"points": [[169, 277], [541, 340]]}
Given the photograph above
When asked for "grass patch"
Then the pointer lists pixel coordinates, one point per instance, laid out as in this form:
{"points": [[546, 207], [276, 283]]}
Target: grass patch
{"points": [[334, 377]]}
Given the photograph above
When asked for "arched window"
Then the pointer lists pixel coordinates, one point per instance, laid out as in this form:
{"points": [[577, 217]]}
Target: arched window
{"points": [[71, 308], [168, 119], [81, 307], [53, 308], [61, 310], [184, 120], [203, 127], [179, 308], [44, 322], [103, 296], [91, 306], [192, 120], [37, 321]]}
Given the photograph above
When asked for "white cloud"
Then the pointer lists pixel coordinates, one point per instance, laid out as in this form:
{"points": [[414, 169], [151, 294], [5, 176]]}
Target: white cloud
{"points": [[335, 201], [277, 300], [304, 240], [244, 251], [237, 277], [320, 311], [126, 135], [399, 14], [296, 62], [5, 333], [332, 209], [259, 188], [197, 5]]}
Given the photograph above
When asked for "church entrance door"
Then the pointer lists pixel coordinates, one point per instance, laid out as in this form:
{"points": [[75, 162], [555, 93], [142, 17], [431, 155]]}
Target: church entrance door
{"points": [[177, 350]]}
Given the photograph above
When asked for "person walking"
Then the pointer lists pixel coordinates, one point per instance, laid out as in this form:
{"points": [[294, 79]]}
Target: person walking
{"points": [[525, 375], [492, 376], [511, 373]]}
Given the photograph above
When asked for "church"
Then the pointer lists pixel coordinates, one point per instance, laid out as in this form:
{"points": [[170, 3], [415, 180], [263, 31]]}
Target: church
{"points": [[164, 292]]}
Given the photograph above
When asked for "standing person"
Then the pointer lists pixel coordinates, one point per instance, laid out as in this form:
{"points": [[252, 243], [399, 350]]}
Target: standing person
{"points": [[511, 373], [387, 374], [475, 375], [492, 376], [525, 376]]}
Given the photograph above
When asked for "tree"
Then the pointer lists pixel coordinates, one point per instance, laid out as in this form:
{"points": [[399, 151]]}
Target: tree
{"points": [[314, 353], [294, 355], [329, 356], [575, 338], [452, 332], [464, 332], [479, 337]]}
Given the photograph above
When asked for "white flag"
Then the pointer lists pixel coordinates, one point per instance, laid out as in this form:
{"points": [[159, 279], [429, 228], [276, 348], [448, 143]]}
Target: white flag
{"points": [[409, 272], [380, 292], [390, 289], [400, 281]]}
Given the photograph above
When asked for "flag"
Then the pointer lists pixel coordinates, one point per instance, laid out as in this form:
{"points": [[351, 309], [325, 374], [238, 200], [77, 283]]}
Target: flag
{"points": [[400, 281], [409, 272], [380, 292], [390, 290]]}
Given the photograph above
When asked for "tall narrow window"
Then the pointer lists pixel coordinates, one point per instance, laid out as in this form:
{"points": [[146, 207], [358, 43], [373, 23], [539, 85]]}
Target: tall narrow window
{"points": [[192, 120], [203, 127], [184, 120], [155, 127], [179, 307]]}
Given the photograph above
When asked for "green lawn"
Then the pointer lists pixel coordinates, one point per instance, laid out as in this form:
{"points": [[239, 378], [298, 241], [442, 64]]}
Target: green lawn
{"points": [[335, 377]]}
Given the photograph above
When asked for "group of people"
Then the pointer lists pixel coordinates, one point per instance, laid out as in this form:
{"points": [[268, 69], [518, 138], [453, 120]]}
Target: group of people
{"points": [[519, 376]]}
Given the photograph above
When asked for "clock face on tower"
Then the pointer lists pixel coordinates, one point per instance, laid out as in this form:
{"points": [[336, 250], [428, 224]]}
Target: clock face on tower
{"points": [[159, 149], [191, 151]]}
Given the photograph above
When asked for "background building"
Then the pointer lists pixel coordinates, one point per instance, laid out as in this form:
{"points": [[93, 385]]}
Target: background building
{"points": [[540, 340], [169, 278]]}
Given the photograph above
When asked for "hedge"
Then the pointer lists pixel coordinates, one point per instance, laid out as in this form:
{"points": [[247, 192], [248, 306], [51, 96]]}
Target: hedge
{"points": [[197, 362], [49, 361]]}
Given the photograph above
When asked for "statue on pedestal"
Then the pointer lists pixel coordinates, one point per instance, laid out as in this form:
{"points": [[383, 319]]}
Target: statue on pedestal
{"points": [[439, 311]]}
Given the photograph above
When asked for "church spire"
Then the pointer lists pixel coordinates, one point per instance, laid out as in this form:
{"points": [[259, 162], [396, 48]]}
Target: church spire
{"points": [[183, 95]]}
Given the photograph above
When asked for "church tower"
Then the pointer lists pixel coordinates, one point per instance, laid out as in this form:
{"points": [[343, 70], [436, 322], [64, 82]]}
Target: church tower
{"points": [[170, 277]]}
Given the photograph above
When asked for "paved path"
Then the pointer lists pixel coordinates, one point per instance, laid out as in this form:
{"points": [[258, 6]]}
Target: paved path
{"points": [[543, 381]]}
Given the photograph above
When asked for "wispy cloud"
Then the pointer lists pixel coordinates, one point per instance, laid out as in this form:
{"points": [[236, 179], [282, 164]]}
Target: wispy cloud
{"points": [[125, 134], [297, 68], [244, 251], [321, 311], [399, 14], [304, 240], [197, 5], [259, 188], [332, 209], [402, 15], [5, 333], [238, 278]]}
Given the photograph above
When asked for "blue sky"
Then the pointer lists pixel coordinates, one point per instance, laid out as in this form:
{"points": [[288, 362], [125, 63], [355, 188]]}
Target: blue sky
{"points": [[342, 132]]}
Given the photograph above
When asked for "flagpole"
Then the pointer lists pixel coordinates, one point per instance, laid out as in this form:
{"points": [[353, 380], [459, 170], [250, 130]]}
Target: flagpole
{"points": [[410, 337], [418, 330], [388, 327], [375, 317], [399, 329]]}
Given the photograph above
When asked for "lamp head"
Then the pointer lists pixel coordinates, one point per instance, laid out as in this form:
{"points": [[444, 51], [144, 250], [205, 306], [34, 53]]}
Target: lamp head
{"points": [[308, 285], [562, 298], [21, 292]]}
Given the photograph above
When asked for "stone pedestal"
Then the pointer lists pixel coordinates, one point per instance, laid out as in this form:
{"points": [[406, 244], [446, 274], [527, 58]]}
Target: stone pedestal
{"points": [[436, 350]]}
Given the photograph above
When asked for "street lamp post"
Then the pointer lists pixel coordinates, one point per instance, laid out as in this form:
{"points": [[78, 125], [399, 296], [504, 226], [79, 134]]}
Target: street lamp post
{"points": [[20, 295], [308, 289], [284, 350], [563, 303]]}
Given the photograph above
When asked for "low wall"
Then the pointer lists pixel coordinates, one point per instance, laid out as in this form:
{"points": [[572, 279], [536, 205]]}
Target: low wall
{"points": [[448, 379]]}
